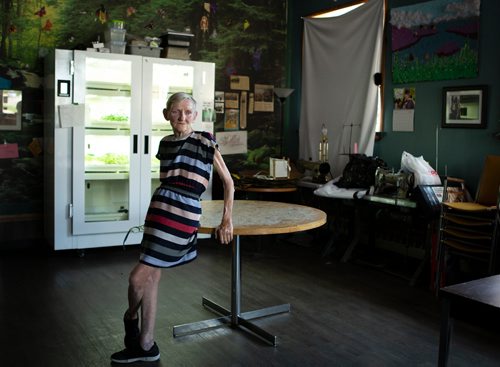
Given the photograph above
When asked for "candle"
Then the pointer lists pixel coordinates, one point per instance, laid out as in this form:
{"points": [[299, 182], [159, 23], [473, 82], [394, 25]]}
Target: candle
{"points": [[355, 148]]}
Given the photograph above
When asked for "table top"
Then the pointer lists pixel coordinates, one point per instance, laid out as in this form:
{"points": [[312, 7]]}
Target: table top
{"points": [[485, 291], [256, 217]]}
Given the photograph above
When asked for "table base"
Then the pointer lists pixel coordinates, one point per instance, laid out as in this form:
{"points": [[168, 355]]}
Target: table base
{"points": [[241, 321]]}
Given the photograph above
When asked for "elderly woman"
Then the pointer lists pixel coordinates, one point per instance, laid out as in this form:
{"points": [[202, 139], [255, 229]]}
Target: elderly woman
{"points": [[172, 221]]}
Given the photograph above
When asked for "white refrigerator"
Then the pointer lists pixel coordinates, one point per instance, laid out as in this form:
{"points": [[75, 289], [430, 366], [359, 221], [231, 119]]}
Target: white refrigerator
{"points": [[103, 124]]}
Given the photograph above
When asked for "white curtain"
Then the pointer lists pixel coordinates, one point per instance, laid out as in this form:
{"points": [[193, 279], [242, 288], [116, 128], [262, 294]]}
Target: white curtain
{"points": [[340, 57]]}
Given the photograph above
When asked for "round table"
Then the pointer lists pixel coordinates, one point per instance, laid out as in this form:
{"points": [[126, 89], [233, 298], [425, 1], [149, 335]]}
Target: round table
{"points": [[250, 217], [256, 217]]}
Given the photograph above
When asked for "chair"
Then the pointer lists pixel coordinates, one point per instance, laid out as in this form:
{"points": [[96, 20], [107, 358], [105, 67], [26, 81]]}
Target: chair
{"points": [[469, 229]]}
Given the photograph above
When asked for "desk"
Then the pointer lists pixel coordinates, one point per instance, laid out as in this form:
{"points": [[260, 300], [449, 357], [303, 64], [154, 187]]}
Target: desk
{"points": [[266, 188], [249, 218], [284, 194], [402, 203], [483, 292], [366, 218]]}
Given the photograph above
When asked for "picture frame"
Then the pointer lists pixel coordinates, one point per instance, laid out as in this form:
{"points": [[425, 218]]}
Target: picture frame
{"points": [[231, 119], [464, 107], [232, 100], [10, 109]]}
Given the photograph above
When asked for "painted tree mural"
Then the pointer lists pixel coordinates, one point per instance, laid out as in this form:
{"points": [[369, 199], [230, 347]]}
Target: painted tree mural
{"points": [[242, 37], [27, 30]]}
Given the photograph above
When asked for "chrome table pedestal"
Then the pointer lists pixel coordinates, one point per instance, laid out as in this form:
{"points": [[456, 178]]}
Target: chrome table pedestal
{"points": [[234, 317]]}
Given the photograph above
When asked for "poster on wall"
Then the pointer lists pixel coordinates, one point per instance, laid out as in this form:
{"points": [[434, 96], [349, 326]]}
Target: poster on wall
{"points": [[239, 82], [232, 100], [9, 151], [404, 109], [243, 109], [264, 98], [435, 40], [231, 119], [10, 109], [207, 112], [219, 102], [251, 101], [234, 142]]}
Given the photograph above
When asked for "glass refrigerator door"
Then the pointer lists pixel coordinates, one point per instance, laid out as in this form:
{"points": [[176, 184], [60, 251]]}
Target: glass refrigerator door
{"points": [[106, 146], [162, 78]]}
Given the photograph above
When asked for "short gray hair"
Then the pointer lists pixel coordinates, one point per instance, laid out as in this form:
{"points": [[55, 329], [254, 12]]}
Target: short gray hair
{"points": [[179, 97]]}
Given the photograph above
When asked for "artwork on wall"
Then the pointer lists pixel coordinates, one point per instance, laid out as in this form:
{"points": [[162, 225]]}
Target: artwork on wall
{"points": [[232, 100], [243, 109], [464, 107], [404, 109], [219, 102], [34, 31], [207, 112], [9, 151], [231, 119], [234, 142], [239, 82], [10, 109], [251, 103], [264, 98], [435, 40]]}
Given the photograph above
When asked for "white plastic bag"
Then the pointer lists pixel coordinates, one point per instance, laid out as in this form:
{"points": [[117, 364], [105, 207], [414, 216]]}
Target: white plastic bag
{"points": [[424, 173]]}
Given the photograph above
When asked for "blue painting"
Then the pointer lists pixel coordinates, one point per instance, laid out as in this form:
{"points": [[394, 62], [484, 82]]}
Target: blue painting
{"points": [[435, 40]]}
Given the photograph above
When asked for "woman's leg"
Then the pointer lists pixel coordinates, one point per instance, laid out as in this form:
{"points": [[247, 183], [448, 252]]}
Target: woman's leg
{"points": [[143, 294]]}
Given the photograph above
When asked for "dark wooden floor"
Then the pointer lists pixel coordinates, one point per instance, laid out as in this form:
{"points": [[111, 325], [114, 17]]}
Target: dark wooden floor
{"points": [[58, 309]]}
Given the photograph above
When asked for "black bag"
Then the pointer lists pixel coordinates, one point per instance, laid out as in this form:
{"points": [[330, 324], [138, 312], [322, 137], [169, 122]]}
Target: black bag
{"points": [[359, 172]]}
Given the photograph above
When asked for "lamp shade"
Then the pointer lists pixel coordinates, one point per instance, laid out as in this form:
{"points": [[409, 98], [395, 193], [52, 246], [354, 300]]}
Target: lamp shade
{"points": [[283, 93]]}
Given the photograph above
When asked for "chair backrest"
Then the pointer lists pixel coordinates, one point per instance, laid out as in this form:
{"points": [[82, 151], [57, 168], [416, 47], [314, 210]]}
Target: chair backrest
{"points": [[487, 193]]}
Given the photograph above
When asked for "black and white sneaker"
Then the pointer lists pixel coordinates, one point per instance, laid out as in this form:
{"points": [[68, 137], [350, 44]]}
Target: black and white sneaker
{"points": [[136, 354]]}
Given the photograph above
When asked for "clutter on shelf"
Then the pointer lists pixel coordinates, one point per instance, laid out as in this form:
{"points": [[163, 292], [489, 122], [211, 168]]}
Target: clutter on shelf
{"points": [[176, 44]]}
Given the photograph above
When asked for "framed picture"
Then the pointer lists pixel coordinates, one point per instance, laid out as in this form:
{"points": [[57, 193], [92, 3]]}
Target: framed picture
{"points": [[10, 112], [232, 100], [464, 107], [231, 119], [264, 98]]}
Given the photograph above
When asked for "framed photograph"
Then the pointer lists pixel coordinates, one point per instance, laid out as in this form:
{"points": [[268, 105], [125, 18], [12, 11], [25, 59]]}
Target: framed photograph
{"points": [[219, 102], [464, 107], [264, 98], [231, 119], [232, 100]]}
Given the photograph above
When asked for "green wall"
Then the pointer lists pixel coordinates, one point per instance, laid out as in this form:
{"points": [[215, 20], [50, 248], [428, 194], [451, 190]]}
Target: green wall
{"points": [[461, 151]]}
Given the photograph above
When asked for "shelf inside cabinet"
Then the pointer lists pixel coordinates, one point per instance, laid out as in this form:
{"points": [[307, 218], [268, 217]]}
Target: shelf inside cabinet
{"points": [[108, 89], [106, 176], [101, 217], [162, 127], [111, 128]]}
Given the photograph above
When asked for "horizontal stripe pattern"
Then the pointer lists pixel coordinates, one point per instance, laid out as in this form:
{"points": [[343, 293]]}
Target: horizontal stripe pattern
{"points": [[173, 218], [188, 162]]}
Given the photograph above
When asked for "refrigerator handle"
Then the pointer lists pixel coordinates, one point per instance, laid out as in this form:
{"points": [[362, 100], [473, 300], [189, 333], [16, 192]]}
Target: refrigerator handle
{"points": [[146, 144], [134, 148]]}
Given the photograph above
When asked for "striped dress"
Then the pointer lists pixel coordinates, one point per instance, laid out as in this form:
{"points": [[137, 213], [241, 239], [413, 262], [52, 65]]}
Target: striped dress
{"points": [[172, 221]]}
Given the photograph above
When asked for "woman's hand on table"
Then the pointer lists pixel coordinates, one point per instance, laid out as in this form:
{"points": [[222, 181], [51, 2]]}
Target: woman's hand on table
{"points": [[224, 233]]}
